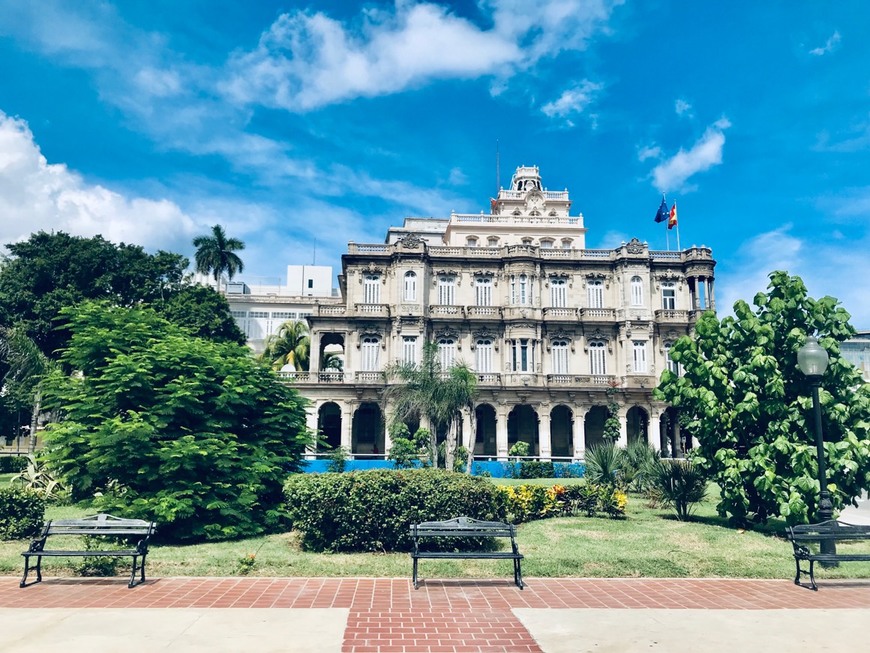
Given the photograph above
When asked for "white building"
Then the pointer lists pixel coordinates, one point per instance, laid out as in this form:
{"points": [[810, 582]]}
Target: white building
{"points": [[556, 332]]}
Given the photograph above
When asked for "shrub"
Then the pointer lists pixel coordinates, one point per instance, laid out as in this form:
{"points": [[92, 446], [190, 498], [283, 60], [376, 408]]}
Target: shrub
{"points": [[528, 502], [639, 460], [408, 451], [582, 498], [337, 460], [98, 566], [22, 513], [525, 503], [604, 464], [12, 464], [536, 469], [373, 510], [37, 478], [519, 449], [681, 485], [612, 500]]}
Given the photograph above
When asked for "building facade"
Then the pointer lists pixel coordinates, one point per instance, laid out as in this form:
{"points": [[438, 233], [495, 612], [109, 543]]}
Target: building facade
{"points": [[557, 334]]}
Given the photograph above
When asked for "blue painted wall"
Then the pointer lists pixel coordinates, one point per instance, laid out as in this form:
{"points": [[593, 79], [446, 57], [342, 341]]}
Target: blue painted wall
{"points": [[493, 468]]}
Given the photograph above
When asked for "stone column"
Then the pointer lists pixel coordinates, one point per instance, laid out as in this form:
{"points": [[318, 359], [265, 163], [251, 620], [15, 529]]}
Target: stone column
{"points": [[655, 417], [311, 423], [388, 416], [676, 445], [501, 432], [712, 297], [347, 411], [623, 427], [314, 355], [579, 432], [545, 442], [696, 296]]}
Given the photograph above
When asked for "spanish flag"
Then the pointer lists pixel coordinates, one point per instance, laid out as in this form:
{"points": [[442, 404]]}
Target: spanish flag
{"points": [[672, 220]]}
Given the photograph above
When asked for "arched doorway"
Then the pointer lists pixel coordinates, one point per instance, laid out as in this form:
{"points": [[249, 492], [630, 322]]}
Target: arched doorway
{"points": [[368, 429], [484, 444], [561, 440], [523, 426], [329, 426], [331, 357], [637, 425], [594, 424]]}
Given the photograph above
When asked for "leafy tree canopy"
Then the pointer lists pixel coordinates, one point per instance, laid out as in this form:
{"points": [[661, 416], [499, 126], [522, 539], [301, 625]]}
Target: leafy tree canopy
{"points": [[216, 254], [191, 433], [50, 271], [202, 311], [744, 400]]}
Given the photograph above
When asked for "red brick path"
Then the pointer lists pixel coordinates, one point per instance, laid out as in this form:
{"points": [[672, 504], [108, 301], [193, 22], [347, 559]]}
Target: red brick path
{"points": [[387, 614]]}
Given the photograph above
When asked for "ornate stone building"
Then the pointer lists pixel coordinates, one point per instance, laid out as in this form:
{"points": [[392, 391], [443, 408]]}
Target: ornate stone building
{"points": [[555, 332]]}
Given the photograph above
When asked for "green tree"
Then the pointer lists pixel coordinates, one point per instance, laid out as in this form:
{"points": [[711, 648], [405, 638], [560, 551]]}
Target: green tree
{"points": [[291, 345], [48, 272], [203, 312], [190, 433], [216, 254], [428, 391], [25, 368], [744, 400]]}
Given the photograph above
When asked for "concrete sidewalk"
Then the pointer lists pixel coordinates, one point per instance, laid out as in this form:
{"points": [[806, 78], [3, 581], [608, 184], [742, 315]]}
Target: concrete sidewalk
{"points": [[387, 614]]}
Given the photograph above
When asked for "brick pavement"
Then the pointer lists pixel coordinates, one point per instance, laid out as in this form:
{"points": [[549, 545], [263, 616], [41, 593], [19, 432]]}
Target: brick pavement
{"points": [[387, 614]]}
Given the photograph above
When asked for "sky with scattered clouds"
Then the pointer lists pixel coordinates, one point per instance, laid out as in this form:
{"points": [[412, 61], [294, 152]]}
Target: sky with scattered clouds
{"points": [[300, 126]]}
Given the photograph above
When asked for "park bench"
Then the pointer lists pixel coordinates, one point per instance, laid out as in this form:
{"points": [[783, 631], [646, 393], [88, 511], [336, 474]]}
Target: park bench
{"points": [[468, 528], [817, 543], [101, 525]]}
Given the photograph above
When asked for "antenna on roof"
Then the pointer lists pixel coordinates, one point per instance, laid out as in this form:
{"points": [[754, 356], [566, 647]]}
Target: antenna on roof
{"points": [[314, 253], [497, 175]]}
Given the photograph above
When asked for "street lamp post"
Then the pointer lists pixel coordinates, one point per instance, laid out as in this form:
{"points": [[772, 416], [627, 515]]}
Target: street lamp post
{"points": [[813, 361]]}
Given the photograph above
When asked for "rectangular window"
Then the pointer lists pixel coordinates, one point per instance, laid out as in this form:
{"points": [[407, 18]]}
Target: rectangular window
{"points": [[597, 359], [522, 355], [259, 314], [446, 353], [483, 356], [639, 356], [372, 288], [558, 293], [484, 291], [409, 349], [595, 294], [560, 357], [669, 297], [446, 290], [240, 314], [370, 352]]}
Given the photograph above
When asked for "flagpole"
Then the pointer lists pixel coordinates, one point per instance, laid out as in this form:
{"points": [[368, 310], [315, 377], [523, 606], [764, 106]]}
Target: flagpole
{"points": [[679, 249], [668, 238]]}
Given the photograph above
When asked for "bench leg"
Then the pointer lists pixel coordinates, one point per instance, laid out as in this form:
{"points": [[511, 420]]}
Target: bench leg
{"points": [[518, 574], [813, 585], [140, 568], [28, 568], [414, 578]]}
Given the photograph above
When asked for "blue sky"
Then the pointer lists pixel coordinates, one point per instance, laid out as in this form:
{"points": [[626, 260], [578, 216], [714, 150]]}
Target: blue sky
{"points": [[290, 122]]}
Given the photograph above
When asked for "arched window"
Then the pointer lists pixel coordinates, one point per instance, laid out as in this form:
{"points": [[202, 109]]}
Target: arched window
{"points": [[560, 356], [597, 358], [546, 243], [371, 347], [483, 291], [558, 293], [471, 241], [566, 243], [410, 293], [521, 292], [446, 290], [636, 291], [595, 293], [372, 288], [492, 241], [483, 356], [446, 353]]}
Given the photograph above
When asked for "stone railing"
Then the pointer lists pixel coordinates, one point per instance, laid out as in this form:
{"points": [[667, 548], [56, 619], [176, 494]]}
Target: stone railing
{"points": [[598, 314], [294, 377], [488, 312], [489, 378], [370, 377], [372, 309], [560, 313], [445, 310], [671, 315], [321, 310]]}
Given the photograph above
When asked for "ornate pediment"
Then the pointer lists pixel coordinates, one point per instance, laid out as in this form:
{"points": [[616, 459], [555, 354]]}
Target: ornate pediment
{"points": [[410, 241], [446, 332], [635, 247]]}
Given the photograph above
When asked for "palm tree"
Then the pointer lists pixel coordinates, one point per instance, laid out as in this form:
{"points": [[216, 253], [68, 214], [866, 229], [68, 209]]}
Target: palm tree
{"points": [[291, 345], [215, 254], [427, 391], [27, 367]]}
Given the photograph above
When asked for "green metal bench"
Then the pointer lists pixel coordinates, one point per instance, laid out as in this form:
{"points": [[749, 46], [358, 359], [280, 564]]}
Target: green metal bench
{"points": [[101, 525], [816, 543], [469, 528]]}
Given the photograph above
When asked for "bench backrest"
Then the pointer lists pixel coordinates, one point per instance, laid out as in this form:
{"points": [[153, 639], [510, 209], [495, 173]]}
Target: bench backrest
{"points": [[463, 527], [101, 524], [829, 530]]}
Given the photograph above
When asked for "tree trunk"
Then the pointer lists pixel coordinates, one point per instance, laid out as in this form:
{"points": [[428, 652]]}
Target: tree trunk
{"points": [[34, 421], [450, 449]]}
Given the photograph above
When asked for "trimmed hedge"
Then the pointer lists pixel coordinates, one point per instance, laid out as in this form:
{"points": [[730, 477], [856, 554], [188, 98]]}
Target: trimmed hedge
{"points": [[22, 513], [12, 464], [373, 510]]}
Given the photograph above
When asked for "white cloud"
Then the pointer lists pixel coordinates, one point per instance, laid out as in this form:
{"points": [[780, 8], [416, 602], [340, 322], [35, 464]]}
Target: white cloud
{"points": [[829, 46], [35, 194], [305, 61], [826, 267], [573, 100], [649, 152], [855, 139], [682, 107], [673, 173]]}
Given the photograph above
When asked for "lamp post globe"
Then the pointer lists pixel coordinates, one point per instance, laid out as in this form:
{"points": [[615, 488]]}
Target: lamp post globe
{"points": [[813, 361]]}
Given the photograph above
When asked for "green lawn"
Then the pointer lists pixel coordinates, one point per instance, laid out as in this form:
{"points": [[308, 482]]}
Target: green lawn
{"points": [[648, 543]]}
